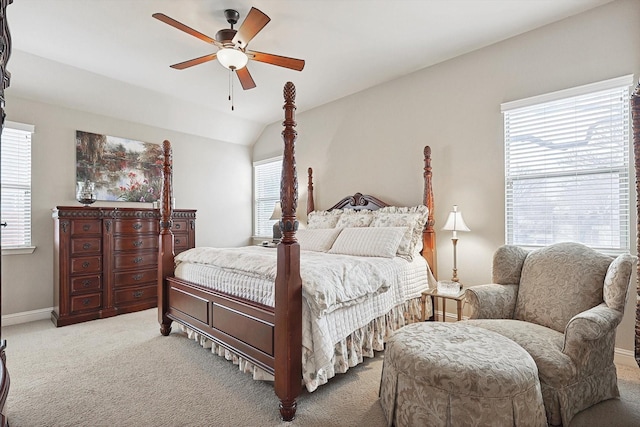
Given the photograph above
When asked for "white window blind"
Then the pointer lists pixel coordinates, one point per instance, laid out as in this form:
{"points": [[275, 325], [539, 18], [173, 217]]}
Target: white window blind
{"points": [[266, 188], [567, 167], [16, 185]]}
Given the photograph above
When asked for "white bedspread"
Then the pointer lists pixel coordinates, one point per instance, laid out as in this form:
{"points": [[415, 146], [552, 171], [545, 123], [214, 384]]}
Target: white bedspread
{"points": [[345, 309], [329, 281]]}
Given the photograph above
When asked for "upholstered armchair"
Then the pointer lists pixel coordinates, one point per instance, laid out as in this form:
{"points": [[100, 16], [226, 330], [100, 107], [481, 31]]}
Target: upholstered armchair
{"points": [[561, 303]]}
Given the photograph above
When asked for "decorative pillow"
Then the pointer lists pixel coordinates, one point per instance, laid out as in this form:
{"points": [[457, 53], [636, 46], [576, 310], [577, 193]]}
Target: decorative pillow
{"points": [[354, 218], [318, 239], [414, 218], [367, 241], [323, 219]]}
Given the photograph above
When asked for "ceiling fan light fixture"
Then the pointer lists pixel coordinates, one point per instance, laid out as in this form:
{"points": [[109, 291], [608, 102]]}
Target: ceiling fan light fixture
{"points": [[232, 59]]}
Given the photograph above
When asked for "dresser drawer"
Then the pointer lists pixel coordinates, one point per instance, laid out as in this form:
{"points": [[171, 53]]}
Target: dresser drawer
{"points": [[181, 242], [135, 260], [86, 283], [86, 245], [129, 243], [140, 293], [84, 227], [86, 302], [88, 264], [180, 225], [136, 226], [135, 277]]}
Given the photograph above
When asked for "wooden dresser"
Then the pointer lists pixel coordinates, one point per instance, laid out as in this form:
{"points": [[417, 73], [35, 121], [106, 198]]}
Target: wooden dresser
{"points": [[106, 260]]}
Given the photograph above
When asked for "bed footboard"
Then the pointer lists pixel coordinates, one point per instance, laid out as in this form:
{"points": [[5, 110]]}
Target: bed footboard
{"points": [[243, 327]]}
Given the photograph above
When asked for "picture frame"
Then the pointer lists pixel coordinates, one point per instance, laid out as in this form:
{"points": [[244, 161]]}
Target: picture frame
{"points": [[121, 169]]}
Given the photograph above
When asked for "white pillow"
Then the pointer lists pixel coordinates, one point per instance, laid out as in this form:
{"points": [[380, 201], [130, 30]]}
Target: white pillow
{"points": [[354, 218], [318, 239], [367, 241], [323, 219], [414, 218]]}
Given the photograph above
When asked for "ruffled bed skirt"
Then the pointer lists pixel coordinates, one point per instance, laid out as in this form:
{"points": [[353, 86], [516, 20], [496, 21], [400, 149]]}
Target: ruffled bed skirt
{"points": [[347, 353]]}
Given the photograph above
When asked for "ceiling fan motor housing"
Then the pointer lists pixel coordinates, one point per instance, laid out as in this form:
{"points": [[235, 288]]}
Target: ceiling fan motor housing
{"points": [[225, 35]]}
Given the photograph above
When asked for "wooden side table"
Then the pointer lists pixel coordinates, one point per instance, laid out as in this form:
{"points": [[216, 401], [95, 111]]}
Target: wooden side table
{"points": [[434, 294]]}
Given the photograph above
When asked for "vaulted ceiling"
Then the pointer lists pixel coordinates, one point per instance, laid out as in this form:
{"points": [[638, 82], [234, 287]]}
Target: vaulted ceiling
{"points": [[111, 57]]}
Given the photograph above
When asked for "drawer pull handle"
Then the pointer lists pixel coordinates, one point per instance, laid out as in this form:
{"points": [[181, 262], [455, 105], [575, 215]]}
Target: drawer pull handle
{"points": [[86, 227], [86, 301], [137, 277], [86, 264], [137, 226], [137, 260], [138, 294], [177, 226], [177, 241], [86, 283], [86, 246], [137, 243]]}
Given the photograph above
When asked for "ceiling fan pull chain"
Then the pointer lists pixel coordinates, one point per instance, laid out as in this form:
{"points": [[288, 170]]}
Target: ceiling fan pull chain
{"points": [[231, 88]]}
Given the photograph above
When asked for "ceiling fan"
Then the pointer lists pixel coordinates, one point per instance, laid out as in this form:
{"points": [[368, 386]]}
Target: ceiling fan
{"points": [[232, 45]]}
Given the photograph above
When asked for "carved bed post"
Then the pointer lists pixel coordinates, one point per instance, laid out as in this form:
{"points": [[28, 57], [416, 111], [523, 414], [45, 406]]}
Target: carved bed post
{"points": [[288, 292], [310, 202], [5, 76], [166, 243], [428, 234], [635, 120]]}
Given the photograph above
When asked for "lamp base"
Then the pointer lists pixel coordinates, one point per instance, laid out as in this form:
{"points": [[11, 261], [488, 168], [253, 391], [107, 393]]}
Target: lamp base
{"points": [[277, 234]]}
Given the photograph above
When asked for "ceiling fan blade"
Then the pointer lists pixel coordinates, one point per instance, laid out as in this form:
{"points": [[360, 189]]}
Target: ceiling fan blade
{"points": [[252, 24], [180, 26], [245, 78], [280, 61], [192, 62]]}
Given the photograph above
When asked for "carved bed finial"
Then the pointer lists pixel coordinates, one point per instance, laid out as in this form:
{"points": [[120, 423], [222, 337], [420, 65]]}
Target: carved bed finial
{"points": [[310, 202], [428, 189], [428, 233], [167, 191], [289, 181]]}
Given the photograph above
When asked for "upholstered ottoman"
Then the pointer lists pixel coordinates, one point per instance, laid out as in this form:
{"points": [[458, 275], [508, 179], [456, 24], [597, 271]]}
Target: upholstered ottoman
{"points": [[455, 374]]}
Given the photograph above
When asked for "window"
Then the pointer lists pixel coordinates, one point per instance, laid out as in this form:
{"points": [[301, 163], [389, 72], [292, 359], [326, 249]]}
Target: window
{"points": [[567, 167], [16, 185], [266, 190]]}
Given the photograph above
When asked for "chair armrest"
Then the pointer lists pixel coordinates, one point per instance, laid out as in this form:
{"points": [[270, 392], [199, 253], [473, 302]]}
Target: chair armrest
{"points": [[589, 326], [492, 301]]}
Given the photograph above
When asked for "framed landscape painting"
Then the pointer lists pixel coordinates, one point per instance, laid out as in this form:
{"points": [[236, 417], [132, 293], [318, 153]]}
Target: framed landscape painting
{"points": [[121, 169]]}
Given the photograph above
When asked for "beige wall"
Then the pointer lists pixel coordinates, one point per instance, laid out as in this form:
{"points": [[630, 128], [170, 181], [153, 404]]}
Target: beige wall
{"points": [[455, 108], [210, 176]]}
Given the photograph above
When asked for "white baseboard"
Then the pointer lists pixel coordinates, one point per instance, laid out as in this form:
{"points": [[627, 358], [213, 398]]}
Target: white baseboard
{"points": [[624, 357], [26, 316]]}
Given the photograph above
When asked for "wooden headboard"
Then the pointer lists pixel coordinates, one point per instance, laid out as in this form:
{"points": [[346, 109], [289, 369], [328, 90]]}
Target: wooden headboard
{"points": [[361, 201]]}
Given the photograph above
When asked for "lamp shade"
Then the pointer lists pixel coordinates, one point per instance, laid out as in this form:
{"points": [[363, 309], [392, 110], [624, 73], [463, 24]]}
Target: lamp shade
{"points": [[232, 59], [455, 221], [277, 211]]}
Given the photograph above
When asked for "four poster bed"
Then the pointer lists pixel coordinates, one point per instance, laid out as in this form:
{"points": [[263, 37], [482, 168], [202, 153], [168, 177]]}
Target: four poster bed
{"points": [[302, 330]]}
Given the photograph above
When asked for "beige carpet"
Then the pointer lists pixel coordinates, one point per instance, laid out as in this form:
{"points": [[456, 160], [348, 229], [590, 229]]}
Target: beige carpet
{"points": [[121, 372]]}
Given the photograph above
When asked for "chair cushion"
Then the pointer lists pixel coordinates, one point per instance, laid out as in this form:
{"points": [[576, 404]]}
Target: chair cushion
{"points": [[560, 281], [543, 344]]}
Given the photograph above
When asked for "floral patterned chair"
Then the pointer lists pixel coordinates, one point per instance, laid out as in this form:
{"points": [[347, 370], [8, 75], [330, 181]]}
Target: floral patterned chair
{"points": [[562, 304]]}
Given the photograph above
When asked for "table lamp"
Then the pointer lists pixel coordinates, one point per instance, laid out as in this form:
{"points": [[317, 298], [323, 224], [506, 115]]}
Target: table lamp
{"points": [[277, 214], [455, 223]]}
